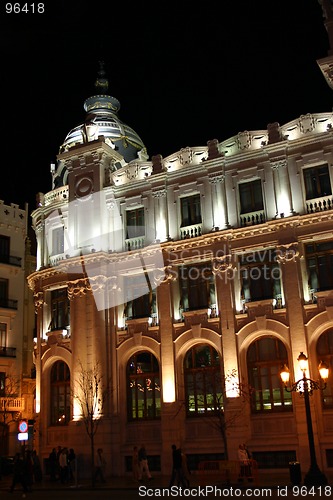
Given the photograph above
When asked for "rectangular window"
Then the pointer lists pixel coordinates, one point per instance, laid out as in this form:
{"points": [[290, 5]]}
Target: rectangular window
{"points": [[274, 459], [60, 309], [197, 287], [4, 248], [319, 260], [190, 208], [260, 276], [250, 197], [3, 292], [135, 223], [58, 241], [140, 298], [317, 182]]}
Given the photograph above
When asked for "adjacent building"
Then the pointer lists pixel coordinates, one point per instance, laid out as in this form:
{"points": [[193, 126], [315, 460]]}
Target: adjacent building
{"points": [[17, 328]]}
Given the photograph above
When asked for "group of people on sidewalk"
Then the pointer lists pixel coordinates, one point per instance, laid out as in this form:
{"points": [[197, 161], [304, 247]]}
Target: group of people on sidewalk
{"points": [[179, 474], [140, 465], [62, 464]]}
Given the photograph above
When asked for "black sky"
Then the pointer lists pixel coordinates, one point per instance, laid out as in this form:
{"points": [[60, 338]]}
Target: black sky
{"points": [[183, 73]]}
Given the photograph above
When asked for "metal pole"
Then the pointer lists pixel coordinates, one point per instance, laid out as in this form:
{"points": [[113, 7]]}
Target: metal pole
{"points": [[314, 476]]}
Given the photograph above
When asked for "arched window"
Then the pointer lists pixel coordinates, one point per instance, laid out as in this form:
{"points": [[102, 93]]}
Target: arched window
{"points": [[143, 387], [325, 354], [202, 376], [60, 394], [265, 358]]}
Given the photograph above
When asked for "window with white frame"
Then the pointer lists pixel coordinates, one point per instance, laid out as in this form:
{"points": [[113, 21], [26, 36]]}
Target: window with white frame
{"points": [[58, 240], [135, 223], [250, 196], [190, 208]]}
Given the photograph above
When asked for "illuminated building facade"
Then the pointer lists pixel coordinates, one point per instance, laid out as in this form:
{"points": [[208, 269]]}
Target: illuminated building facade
{"points": [[190, 280], [17, 322]]}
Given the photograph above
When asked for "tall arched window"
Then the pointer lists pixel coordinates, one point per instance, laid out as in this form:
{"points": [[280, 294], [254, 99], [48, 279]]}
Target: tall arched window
{"points": [[143, 387], [265, 358], [60, 394], [325, 353], [202, 376]]}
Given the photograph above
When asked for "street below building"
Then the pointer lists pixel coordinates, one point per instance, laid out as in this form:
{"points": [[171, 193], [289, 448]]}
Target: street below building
{"points": [[150, 490]]}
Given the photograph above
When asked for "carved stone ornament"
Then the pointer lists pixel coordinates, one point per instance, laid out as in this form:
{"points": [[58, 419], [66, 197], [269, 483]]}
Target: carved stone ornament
{"points": [[163, 275], [78, 288], [222, 264], [216, 178], [38, 300], [287, 253], [276, 165]]}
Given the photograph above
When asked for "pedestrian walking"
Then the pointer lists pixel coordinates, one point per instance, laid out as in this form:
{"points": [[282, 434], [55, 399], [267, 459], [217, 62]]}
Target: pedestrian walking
{"points": [[63, 464], [176, 473], [135, 464], [37, 469], [100, 465], [71, 464], [53, 465], [19, 473], [143, 463]]}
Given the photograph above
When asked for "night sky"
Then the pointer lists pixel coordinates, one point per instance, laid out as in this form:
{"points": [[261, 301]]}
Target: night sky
{"points": [[184, 73]]}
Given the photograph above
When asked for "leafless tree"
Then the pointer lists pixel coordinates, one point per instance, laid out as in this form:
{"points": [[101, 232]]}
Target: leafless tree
{"points": [[218, 415], [8, 413], [91, 395]]}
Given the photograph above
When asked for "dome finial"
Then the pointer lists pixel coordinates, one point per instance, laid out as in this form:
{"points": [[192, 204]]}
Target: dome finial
{"points": [[101, 83]]}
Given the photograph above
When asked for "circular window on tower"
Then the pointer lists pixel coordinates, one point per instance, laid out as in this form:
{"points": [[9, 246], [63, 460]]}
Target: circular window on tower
{"points": [[84, 186]]}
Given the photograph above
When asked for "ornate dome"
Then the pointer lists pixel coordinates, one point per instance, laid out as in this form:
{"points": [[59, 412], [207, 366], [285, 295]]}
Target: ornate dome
{"points": [[102, 120]]}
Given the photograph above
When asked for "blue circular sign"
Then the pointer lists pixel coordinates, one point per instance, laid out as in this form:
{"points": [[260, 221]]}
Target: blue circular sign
{"points": [[23, 426]]}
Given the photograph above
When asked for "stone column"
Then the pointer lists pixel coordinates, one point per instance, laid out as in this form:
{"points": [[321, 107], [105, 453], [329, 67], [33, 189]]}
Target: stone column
{"points": [[169, 417], [39, 304], [288, 256], [223, 270], [282, 189], [219, 201], [160, 214]]}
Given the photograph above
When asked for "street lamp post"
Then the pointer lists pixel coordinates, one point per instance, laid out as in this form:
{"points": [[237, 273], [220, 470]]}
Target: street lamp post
{"points": [[305, 386]]}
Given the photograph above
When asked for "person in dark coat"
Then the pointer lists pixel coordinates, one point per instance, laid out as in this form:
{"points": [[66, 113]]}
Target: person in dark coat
{"points": [[19, 473], [53, 464], [177, 473]]}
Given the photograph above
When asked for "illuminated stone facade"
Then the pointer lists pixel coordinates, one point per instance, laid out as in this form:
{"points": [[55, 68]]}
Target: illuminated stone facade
{"points": [[220, 212], [189, 281]]}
